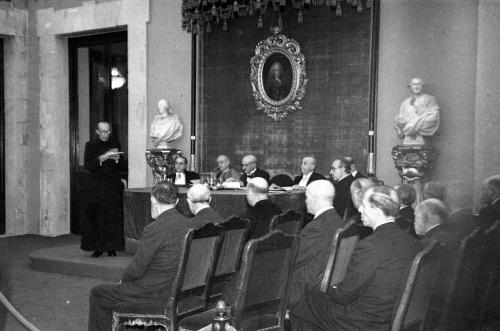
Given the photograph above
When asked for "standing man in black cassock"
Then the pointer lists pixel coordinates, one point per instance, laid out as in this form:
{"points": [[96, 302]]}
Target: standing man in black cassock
{"points": [[103, 228]]}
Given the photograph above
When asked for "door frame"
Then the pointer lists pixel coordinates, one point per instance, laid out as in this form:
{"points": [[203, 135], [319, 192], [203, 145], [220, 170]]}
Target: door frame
{"points": [[73, 44], [2, 142]]}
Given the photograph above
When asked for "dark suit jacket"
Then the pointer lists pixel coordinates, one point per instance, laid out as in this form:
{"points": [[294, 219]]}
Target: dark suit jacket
{"points": [[155, 263], [489, 214], [260, 216], [365, 299], [314, 242], [342, 199], [206, 215], [189, 177], [314, 176], [258, 173]]}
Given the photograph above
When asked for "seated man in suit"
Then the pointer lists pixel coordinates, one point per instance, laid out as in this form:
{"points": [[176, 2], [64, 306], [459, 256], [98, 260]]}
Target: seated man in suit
{"points": [[358, 190], [354, 171], [430, 222], [226, 173], [406, 216], [260, 210], [434, 189], [308, 175], [314, 239], [366, 298], [149, 274], [342, 179], [181, 176], [490, 197], [198, 199], [249, 166]]}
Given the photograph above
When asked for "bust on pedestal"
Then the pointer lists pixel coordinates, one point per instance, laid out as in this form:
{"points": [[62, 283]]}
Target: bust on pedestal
{"points": [[418, 117], [165, 128]]}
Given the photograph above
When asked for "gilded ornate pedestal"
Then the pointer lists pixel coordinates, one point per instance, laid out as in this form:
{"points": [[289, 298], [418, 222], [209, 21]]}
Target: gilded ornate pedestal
{"points": [[162, 162], [412, 161]]}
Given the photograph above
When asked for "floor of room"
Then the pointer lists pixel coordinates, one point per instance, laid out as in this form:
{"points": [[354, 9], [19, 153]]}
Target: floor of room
{"points": [[50, 301]]}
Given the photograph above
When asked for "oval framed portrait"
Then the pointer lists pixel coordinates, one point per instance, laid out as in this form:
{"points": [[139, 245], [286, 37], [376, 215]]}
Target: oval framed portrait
{"points": [[278, 76]]}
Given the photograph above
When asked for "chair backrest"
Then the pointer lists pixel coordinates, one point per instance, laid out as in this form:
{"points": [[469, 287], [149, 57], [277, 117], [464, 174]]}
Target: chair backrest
{"points": [[343, 244], [411, 311], [491, 269], [236, 231], [264, 278], [197, 264], [290, 222], [281, 180], [460, 304]]}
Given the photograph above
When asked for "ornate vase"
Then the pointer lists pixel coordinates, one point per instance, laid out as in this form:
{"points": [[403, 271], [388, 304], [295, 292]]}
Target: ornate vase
{"points": [[162, 162]]}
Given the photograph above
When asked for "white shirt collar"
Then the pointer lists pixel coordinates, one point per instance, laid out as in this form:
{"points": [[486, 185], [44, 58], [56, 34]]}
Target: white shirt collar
{"points": [[432, 227], [252, 172], [321, 211], [343, 177], [495, 201]]}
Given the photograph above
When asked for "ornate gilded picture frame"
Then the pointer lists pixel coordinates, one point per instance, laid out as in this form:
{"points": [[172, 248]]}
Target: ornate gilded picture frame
{"points": [[278, 76]]}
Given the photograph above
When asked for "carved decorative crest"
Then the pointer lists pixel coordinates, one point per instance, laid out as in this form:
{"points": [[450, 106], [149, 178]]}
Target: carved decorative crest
{"points": [[278, 76]]}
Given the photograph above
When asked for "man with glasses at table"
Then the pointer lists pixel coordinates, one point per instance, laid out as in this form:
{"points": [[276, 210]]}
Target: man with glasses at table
{"points": [[249, 166]]}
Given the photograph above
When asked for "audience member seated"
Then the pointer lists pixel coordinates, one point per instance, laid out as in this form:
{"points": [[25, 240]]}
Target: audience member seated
{"points": [[358, 189], [434, 189], [198, 199], [365, 299], [314, 239], [490, 198], [431, 224], [354, 171], [260, 210], [309, 175], [226, 173], [181, 176], [342, 179], [152, 269], [406, 215], [249, 166]]}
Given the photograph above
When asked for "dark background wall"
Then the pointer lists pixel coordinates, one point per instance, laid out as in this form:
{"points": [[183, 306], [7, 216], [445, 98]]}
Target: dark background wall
{"points": [[334, 118]]}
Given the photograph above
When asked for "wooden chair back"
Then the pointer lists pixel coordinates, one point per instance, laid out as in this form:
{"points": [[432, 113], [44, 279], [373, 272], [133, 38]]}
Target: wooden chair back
{"points": [[343, 244], [413, 306], [264, 281], [199, 257], [290, 222], [491, 272], [461, 306]]}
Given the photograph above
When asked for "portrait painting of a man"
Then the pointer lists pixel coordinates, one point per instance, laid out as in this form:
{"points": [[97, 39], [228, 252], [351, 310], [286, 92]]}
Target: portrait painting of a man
{"points": [[277, 76]]}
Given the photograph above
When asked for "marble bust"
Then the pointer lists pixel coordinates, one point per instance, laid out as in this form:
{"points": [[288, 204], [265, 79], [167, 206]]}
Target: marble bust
{"points": [[166, 126], [418, 115]]}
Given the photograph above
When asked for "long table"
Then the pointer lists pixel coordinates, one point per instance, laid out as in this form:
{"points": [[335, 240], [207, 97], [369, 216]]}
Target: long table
{"points": [[137, 205]]}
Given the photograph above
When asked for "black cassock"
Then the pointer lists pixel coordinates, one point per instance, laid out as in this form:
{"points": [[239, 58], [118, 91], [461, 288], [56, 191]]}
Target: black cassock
{"points": [[102, 226]]}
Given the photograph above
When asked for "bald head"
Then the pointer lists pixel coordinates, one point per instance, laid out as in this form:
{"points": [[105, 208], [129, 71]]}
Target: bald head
{"points": [[257, 189], [319, 195], [490, 189], [429, 213], [198, 197], [248, 163], [308, 165], [223, 162]]}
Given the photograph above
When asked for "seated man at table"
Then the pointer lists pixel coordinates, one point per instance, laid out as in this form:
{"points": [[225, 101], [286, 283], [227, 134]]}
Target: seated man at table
{"points": [[366, 298], [226, 173], [315, 238], [309, 175], [148, 276], [260, 210], [249, 166], [181, 176], [198, 199]]}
